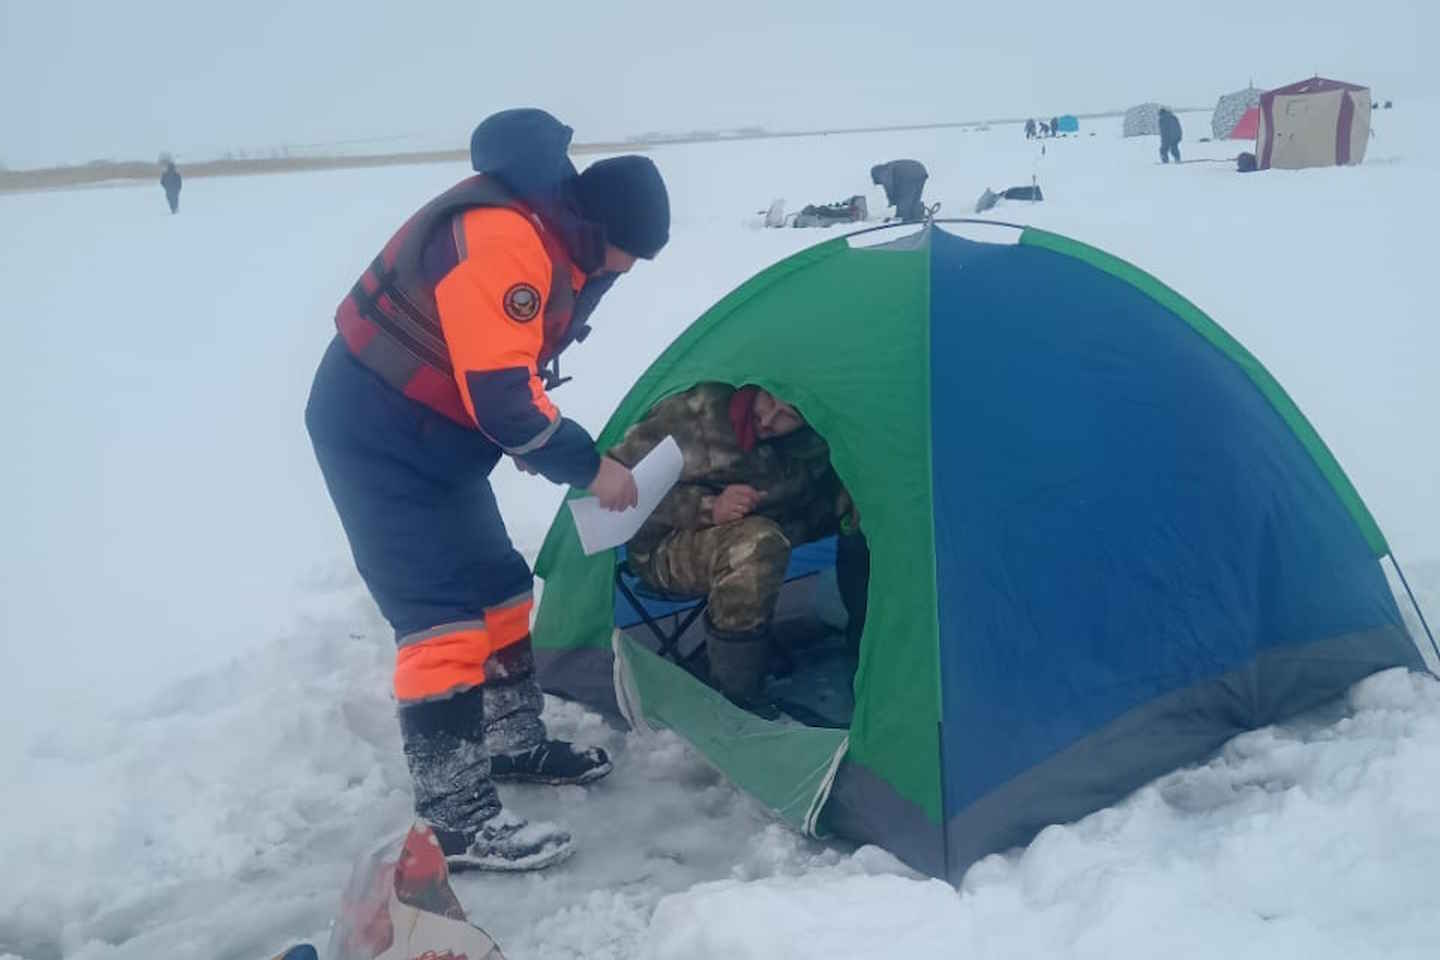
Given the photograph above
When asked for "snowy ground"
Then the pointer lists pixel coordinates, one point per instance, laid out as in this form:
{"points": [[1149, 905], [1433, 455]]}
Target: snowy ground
{"points": [[196, 738]]}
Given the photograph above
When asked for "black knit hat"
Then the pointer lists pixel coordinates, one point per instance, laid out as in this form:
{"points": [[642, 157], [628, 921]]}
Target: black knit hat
{"points": [[628, 197]]}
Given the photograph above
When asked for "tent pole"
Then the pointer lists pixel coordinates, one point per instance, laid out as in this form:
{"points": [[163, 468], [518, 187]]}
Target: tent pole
{"points": [[897, 223], [1414, 603]]}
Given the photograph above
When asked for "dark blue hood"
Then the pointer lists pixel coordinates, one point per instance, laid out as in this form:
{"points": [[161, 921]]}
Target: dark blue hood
{"points": [[527, 151]]}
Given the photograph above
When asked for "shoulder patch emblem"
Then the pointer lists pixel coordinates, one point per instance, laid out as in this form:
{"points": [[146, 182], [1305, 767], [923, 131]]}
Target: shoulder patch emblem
{"points": [[522, 302]]}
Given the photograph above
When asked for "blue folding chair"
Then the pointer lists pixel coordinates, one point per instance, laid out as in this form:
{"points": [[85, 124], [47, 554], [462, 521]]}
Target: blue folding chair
{"points": [[649, 606], [637, 602]]}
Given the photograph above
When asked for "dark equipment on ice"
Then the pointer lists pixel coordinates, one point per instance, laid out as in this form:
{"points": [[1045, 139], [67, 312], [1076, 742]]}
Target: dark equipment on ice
{"points": [[990, 198], [842, 211]]}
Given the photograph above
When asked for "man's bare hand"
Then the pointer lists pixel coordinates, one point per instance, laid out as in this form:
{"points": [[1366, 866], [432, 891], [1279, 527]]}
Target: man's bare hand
{"points": [[613, 485], [524, 467], [734, 502]]}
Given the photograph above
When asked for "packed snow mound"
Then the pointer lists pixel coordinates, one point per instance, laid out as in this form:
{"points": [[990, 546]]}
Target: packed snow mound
{"points": [[1316, 839], [222, 820], [218, 819]]}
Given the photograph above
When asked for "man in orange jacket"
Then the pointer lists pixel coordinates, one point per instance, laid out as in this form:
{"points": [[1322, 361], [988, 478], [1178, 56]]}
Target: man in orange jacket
{"points": [[447, 347]]}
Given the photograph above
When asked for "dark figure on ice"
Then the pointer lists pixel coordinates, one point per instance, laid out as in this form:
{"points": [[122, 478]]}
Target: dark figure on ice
{"points": [[170, 181], [904, 182], [446, 349], [1030, 129], [1054, 126], [1170, 135], [756, 481]]}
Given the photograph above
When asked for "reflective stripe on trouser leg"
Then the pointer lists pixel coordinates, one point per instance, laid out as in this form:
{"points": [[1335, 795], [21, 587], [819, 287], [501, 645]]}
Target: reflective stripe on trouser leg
{"points": [[438, 678], [438, 664], [460, 685]]}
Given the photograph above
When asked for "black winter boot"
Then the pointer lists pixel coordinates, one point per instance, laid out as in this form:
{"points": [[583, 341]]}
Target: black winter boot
{"points": [[738, 664], [553, 762]]}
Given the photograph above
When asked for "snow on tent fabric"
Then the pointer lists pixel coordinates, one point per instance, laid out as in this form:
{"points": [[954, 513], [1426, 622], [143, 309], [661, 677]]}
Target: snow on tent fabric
{"points": [[1142, 120], [1229, 110], [1103, 541], [1313, 123]]}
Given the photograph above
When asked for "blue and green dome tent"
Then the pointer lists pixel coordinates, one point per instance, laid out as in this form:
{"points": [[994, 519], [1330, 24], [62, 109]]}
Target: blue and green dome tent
{"points": [[1068, 124], [1103, 541]]}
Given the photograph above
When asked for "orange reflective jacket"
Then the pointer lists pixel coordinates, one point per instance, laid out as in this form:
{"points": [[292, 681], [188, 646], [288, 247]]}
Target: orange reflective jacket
{"points": [[459, 312]]}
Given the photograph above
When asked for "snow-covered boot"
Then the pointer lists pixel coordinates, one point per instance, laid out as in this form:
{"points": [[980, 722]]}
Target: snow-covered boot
{"points": [[507, 843], [553, 762]]}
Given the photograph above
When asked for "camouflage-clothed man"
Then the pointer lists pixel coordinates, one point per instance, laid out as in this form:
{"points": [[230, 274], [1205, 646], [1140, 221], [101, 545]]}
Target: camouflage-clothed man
{"points": [[756, 482]]}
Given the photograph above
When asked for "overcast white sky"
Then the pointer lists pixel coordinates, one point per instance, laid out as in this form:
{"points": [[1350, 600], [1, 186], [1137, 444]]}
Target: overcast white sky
{"points": [[128, 79]]}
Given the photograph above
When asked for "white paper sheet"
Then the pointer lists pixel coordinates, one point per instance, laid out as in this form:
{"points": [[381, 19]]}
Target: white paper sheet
{"points": [[602, 529]]}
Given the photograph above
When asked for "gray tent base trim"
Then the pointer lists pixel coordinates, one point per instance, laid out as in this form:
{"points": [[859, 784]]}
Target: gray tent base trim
{"points": [[865, 809], [584, 675], [1182, 728]]}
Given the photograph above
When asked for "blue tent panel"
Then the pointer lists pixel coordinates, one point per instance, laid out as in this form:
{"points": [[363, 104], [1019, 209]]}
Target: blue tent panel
{"points": [[1068, 124], [1135, 557]]}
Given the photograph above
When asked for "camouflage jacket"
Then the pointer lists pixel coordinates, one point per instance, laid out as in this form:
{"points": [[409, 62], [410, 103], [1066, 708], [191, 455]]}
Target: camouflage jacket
{"points": [[799, 489]]}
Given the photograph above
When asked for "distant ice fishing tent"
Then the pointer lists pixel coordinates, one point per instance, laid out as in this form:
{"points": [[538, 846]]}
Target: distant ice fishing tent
{"points": [[1142, 120], [1313, 123], [1067, 124], [1230, 110], [1103, 541], [1248, 126]]}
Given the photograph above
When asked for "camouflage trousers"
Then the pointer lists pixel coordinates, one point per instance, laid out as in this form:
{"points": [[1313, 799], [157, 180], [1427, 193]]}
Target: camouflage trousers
{"points": [[740, 566]]}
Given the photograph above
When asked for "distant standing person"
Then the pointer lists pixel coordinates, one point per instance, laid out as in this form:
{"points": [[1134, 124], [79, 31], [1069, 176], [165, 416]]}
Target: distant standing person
{"points": [[904, 182], [1030, 129], [1054, 126], [1170, 135], [170, 181]]}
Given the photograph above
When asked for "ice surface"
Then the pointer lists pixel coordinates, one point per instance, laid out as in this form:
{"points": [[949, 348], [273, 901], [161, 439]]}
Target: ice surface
{"points": [[196, 737]]}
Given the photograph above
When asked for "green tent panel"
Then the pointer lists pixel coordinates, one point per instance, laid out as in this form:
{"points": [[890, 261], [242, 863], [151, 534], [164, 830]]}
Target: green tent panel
{"points": [[875, 303]]}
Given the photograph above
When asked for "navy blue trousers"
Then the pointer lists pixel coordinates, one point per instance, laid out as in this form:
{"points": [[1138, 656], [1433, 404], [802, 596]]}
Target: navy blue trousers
{"points": [[412, 490], [413, 493]]}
